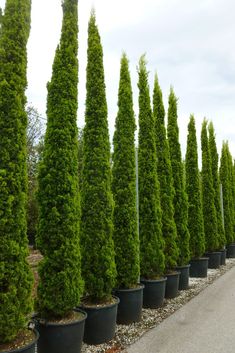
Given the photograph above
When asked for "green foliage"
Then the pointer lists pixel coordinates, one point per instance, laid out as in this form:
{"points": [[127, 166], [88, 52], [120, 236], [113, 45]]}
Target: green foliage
{"points": [[80, 156], [60, 284], [208, 195], [195, 214], [151, 241], [216, 185], [227, 186], [165, 178], [125, 235], [15, 276], [180, 196], [98, 264]]}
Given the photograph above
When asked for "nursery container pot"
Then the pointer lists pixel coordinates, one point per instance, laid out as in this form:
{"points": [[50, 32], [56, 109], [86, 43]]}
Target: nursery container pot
{"points": [[130, 306], [172, 285], [199, 267], [184, 276], [154, 292], [231, 251], [100, 323], [223, 256], [214, 259], [60, 337]]}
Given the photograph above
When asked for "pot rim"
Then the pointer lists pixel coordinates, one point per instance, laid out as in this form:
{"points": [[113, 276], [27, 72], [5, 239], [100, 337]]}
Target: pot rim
{"points": [[203, 258], [183, 266], [163, 279]]}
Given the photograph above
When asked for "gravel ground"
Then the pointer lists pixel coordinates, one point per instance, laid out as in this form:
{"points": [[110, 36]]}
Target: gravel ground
{"points": [[126, 335]]}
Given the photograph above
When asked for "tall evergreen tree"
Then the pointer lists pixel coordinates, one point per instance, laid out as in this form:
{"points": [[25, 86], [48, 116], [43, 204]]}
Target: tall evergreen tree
{"points": [[60, 284], [195, 214], [208, 194], [151, 240], [15, 276], [164, 172], [98, 263], [216, 184], [180, 196], [125, 234], [225, 179]]}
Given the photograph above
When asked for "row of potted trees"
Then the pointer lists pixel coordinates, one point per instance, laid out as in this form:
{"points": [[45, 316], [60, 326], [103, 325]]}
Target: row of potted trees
{"points": [[96, 259]]}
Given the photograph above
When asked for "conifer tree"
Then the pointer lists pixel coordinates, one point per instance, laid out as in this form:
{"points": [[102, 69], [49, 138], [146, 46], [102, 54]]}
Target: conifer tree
{"points": [[225, 179], [15, 276], [208, 195], [98, 265], [151, 240], [164, 172], [195, 215], [125, 234], [180, 196], [60, 284], [216, 184]]}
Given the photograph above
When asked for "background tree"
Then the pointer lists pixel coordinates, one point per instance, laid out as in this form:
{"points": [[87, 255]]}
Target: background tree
{"points": [[60, 284], [208, 194], [125, 233], [98, 264], [195, 215], [164, 172], [180, 201], [15, 276], [34, 151], [150, 226], [216, 185]]}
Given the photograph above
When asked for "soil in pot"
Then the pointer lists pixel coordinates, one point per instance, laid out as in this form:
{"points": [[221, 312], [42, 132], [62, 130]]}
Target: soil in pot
{"points": [[130, 306], [63, 336], [214, 259], [172, 285], [101, 321], [184, 276], [199, 267], [25, 342]]}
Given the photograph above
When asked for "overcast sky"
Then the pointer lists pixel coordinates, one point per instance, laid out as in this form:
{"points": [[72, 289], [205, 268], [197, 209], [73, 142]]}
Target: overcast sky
{"points": [[189, 43]]}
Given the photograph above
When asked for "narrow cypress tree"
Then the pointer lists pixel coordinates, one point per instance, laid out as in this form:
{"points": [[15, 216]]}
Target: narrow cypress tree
{"points": [[195, 215], [60, 282], [15, 276], [216, 184], [98, 264], [225, 179], [180, 196], [125, 234], [151, 240], [208, 194], [164, 172]]}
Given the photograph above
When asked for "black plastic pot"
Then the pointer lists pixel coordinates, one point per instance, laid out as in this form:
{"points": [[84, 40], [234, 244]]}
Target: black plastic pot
{"points": [[223, 257], [100, 323], [130, 306], [214, 259], [231, 251], [172, 285], [154, 292], [184, 276], [199, 267], [29, 348], [60, 338]]}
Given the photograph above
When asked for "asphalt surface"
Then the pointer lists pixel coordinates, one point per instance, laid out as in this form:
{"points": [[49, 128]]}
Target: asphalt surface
{"points": [[206, 324]]}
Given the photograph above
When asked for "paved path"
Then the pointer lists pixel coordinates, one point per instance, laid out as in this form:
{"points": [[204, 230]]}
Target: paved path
{"points": [[206, 324]]}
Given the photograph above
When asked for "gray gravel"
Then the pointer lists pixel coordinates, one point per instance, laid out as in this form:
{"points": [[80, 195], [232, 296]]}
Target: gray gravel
{"points": [[126, 335]]}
